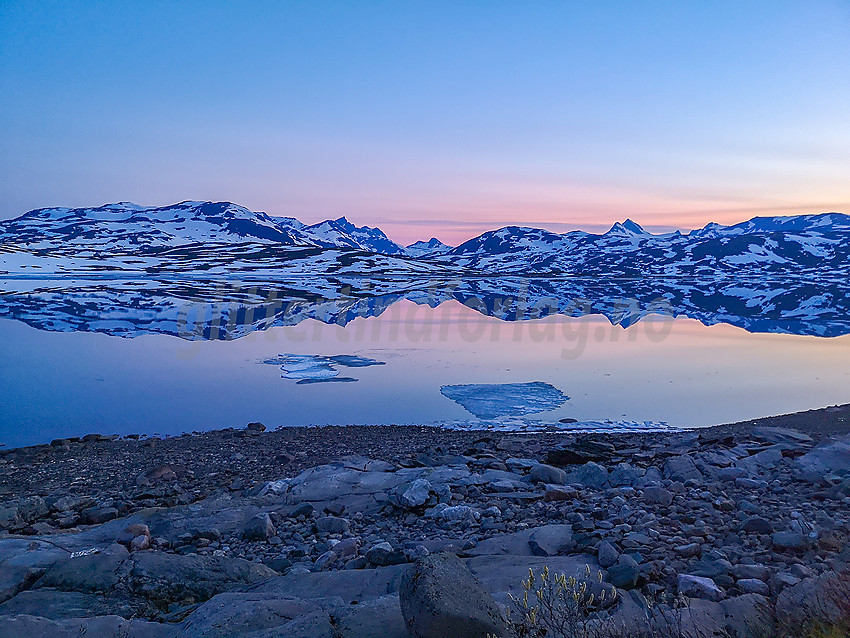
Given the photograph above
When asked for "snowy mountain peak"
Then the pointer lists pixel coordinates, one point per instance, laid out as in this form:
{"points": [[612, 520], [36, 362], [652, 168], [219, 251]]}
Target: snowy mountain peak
{"points": [[626, 229], [634, 227], [342, 233], [431, 247]]}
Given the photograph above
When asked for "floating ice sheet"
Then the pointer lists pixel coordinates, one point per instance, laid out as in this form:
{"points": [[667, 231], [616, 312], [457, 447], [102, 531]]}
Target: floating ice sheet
{"points": [[521, 425], [531, 426], [313, 368], [488, 401], [331, 380]]}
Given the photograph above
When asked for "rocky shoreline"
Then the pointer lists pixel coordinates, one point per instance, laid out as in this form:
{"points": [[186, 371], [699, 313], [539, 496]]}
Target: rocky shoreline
{"points": [[309, 532]]}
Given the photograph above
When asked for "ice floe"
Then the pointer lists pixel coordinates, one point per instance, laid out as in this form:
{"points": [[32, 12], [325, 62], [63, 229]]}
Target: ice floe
{"points": [[487, 401], [312, 368], [530, 426]]}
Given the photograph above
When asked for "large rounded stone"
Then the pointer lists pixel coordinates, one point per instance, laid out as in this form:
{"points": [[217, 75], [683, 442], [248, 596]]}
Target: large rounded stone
{"points": [[411, 495], [590, 475], [332, 525], [259, 528], [542, 473], [607, 554], [757, 525], [681, 468], [657, 496], [440, 598], [624, 573], [699, 587]]}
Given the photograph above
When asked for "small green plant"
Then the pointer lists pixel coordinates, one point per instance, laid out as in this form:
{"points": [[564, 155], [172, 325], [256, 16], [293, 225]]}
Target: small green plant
{"points": [[558, 606]]}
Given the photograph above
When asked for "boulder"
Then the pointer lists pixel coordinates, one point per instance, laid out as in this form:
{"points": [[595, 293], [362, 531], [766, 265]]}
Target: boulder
{"points": [[411, 495], [32, 508], [440, 598], [657, 496], [757, 525], [745, 571], [332, 525], [383, 554], [9, 518], [624, 573], [259, 528], [785, 437], [699, 587], [140, 543], [625, 474], [824, 597], [829, 457], [457, 513], [607, 554], [168, 578], [753, 586], [551, 540], [376, 618], [681, 468], [750, 483], [561, 456], [590, 475], [98, 514], [791, 542], [766, 459], [542, 473]]}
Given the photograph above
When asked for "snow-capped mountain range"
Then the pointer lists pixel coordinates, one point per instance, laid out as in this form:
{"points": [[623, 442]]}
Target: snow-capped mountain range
{"points": [[228, 237], [129, 227], [218, 270]]}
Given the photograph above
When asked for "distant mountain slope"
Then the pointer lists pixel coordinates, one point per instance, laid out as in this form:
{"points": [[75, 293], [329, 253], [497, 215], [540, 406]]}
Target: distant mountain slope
{"points": [[341, 233], [428, 248], [128, 227], [763, 246], [226, 237]]}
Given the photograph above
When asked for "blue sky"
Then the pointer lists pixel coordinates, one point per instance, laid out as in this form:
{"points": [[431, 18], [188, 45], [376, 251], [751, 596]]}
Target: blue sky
{"points": [[431, 118]]}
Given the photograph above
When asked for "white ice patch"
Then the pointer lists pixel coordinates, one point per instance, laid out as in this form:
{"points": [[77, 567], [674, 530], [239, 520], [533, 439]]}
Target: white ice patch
{"points": [[487, 401], [312, 368]]}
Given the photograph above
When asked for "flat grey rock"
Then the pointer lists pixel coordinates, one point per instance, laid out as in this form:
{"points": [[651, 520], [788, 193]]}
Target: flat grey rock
{"points": [[99, 572], [239, 614], [57, 605], [172, 577], [101, 627], [349, 585], [376, 618], [832, 456]]}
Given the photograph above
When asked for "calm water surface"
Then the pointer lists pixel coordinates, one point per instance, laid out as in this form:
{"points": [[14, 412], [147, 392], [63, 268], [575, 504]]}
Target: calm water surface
{"points": [[679, 371]]}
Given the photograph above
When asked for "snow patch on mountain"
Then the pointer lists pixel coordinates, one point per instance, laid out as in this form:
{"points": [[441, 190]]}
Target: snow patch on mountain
{"points": [[341, 233], [427, 248]]}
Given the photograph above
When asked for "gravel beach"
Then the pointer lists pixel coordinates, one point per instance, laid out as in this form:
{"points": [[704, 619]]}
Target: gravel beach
{"points": [[276, 533]]}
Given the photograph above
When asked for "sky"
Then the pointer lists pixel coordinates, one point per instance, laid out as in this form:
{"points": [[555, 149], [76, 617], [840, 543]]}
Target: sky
{"points": [[440, 118]]}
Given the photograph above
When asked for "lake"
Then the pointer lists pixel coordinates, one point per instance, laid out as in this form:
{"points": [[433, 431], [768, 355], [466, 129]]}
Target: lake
{"points": [[162, 358]]}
